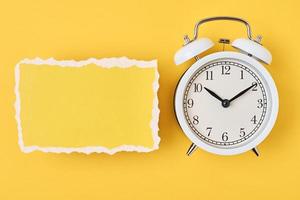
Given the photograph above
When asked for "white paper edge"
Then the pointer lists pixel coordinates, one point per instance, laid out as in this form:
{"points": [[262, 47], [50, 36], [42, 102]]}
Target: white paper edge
{"points": [[122, 62]]}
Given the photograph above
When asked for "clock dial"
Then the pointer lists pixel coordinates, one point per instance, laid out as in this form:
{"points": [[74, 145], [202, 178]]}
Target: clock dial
{"points": [[225, 103]]}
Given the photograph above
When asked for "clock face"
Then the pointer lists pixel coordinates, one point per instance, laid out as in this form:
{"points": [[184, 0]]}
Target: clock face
{"points": [[226, 103]]}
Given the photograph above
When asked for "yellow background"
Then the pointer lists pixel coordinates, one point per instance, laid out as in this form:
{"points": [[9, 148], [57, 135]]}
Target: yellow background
{"points": [[147, 30]]}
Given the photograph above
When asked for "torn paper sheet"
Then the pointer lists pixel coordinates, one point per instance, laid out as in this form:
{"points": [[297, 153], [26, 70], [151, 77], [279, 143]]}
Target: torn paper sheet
{"points": [[107, 105]]}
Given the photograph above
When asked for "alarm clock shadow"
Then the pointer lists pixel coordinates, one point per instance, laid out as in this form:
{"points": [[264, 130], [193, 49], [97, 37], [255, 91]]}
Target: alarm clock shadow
{"points": [[278, 141]]}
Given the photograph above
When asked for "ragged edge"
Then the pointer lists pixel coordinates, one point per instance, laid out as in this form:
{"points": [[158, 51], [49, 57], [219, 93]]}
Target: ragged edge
{"points": [[122, 62]]}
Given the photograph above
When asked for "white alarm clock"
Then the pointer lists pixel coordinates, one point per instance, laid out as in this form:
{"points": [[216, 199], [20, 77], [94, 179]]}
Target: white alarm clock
{"points": [[227, 102]]}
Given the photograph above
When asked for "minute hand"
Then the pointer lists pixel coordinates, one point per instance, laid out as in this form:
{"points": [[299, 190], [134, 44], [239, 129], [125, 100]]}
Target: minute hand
{"points": [[242, 92]]}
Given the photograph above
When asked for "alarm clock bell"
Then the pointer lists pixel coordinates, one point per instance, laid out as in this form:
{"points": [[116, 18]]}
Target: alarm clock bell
{"points": [[253, 48], [192, 49]]}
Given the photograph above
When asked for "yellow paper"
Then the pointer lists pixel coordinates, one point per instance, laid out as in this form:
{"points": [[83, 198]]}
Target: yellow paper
{"points": [[106, 105]]}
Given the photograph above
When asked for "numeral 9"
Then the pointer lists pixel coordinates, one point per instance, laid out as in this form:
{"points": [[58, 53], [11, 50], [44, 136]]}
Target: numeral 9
{"points": [[190, 103]]}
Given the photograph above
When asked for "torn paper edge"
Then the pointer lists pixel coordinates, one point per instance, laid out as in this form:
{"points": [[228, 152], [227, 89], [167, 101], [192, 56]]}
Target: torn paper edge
{"points": [[122, 62]]}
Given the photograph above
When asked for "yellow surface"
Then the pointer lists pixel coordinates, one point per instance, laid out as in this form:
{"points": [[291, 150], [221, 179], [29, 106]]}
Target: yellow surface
{"points": [[147, 30], [86, 106]]}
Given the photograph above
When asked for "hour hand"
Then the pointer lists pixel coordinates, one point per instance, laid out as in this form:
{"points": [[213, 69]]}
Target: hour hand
{"points": [[213, 94]]}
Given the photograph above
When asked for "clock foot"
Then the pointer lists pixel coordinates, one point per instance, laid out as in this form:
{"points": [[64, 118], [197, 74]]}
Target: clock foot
{"points": [[255, 150], [191, 149]]}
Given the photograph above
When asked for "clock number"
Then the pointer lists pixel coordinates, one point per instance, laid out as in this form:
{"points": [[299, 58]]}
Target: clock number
{"points": [[242, 74], [255, 86], [209, 75], [209, 130], [254, 120], [260, 103], [225, 69], [242, 132], [197, 87], [196, 120], [190, 103], [225, 136]]}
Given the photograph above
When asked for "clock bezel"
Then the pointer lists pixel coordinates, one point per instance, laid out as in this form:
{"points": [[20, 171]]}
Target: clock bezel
{"points": [[270, 87]]}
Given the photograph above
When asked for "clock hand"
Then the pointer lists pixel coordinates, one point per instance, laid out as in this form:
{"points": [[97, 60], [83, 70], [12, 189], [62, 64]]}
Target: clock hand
{"points": [[242, 92], [213, 94]]}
